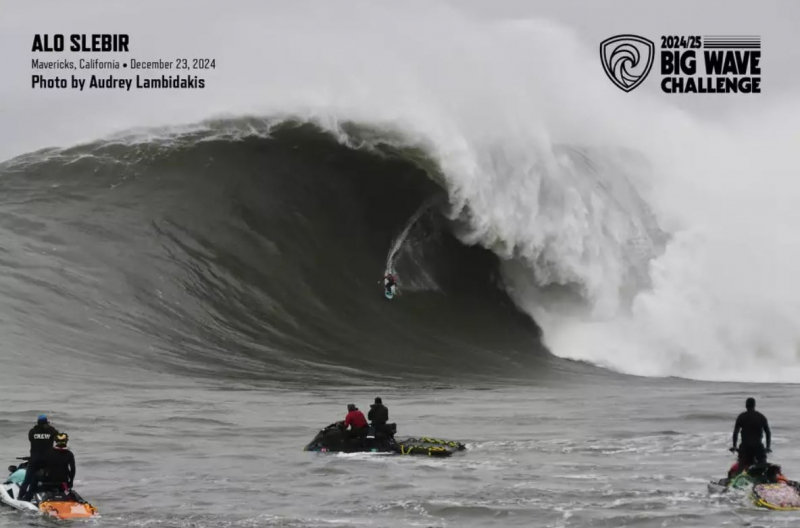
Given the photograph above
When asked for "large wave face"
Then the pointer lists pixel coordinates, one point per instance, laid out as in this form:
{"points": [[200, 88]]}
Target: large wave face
{"points": [[254, 251], [638, 237]]}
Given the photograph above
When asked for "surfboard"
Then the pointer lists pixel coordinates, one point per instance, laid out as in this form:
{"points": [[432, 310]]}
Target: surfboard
{"points": [[390, 292]]}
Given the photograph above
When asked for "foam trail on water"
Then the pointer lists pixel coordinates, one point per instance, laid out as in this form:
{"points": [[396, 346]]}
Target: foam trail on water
{"points": [[398, 242]]}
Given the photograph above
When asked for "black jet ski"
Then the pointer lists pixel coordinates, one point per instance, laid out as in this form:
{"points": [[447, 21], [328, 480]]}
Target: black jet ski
{"points": [[336, 439], [765, 485], [49, 500]]}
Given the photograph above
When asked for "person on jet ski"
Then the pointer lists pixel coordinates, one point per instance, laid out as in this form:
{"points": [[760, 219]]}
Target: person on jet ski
{"points": [[389, 281], [751, 423], [41, 436], [60, 464], [356, 421], [379, 416]]}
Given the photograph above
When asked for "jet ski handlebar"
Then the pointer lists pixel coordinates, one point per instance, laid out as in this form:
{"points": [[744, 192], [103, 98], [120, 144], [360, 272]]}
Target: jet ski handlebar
{"points": [[739, 450]]}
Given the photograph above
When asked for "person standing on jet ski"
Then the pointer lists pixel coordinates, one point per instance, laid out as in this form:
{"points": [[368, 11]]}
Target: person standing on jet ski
{"points": [[356, 421], [60, 464], [378, 415], [42, 435], [751, 423]]}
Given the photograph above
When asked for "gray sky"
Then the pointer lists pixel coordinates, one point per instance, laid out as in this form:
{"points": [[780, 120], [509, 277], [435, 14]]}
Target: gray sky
{"points": [[240, 34], [778, 23]]}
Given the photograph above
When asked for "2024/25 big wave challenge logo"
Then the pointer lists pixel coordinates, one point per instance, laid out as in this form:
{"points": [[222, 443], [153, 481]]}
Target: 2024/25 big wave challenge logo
{"points": [[731, 64]]}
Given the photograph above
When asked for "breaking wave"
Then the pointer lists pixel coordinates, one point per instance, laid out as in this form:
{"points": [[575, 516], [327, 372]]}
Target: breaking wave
{"points": [[634, 236]]}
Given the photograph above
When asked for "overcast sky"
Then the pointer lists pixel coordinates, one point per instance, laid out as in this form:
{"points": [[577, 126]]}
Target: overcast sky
{"points": [[35, 118], [778, 23]]}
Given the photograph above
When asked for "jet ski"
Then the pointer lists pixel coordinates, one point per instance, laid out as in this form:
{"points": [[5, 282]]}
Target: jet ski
{"points": [[336, 439], [765, 484], [49, 500]]}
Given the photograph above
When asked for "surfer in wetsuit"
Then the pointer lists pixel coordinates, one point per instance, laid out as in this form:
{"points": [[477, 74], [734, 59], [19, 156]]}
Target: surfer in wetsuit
{"points": [[389, 281], [751, 423], [379, 416], [41, 436]]}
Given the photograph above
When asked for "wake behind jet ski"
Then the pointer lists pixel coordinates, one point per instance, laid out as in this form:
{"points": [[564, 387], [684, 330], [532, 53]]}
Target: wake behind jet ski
{"points": [[334, 439], [49, 500]]}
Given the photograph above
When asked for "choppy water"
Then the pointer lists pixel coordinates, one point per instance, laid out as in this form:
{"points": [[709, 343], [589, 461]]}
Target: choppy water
{"points": [[590, 451]]}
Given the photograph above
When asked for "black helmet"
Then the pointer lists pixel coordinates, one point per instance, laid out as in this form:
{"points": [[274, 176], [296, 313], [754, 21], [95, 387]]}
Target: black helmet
{"points": [[62, 439]]}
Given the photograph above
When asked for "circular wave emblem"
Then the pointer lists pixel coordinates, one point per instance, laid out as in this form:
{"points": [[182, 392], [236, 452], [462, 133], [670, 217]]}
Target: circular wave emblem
{"points": [[627, 60]]}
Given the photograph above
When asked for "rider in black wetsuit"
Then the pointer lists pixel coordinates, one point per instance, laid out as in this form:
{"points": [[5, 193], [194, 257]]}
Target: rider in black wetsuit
{"points": [[751, 423], [41, 436], [60, 464], [389, 281], [378, 415]]}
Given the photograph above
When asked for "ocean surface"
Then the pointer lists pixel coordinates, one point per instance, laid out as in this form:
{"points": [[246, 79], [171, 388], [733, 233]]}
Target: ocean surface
{"points": [[192, 305], [605, 451]]}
